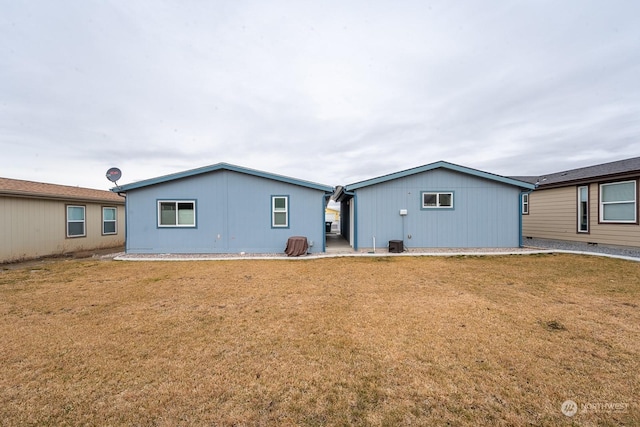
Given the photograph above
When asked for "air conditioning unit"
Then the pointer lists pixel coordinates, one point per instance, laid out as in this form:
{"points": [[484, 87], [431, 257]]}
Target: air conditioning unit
{"points": [[396, 246]]}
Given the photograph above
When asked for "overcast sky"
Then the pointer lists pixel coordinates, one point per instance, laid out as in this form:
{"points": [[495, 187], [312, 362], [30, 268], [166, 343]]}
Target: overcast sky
{"points": [[327, 91]]}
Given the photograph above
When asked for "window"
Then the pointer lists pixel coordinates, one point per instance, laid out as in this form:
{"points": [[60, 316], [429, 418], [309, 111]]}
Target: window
{"points": [[583, 209], [618, 202], [525, 204], [437, 200], [109, 221], [280, 211], [179, 213], [75, 221]]}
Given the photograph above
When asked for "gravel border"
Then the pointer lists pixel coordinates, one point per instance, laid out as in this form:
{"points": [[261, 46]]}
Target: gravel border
{"points": [[564, 245], [532, 246]]}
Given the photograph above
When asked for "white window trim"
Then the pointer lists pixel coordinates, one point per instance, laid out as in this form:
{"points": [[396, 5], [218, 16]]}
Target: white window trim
{"points": [[603, 204], [115, 220], [176, 202], [525, 204], [274, 211], [83, 221], [437, 193], [578, 213]]}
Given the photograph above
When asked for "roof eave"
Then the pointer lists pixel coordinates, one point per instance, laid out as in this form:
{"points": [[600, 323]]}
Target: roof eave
{"points": [[217, 167], [59, 197], [436, 165], [588, 180], [340, 194]]}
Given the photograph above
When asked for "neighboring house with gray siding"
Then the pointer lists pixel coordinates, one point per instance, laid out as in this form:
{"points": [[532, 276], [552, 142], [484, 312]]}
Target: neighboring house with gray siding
{"points": [[223, 209], [39, 219], [595, 204], [439, 205]]}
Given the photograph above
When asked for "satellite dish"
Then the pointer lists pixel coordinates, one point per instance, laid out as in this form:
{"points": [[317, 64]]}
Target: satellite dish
{"points": [[114, 174]]}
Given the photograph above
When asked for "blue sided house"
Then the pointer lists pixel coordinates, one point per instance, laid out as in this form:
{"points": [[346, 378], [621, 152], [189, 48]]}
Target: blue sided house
{"points": [[439, 205], [223, 209]]}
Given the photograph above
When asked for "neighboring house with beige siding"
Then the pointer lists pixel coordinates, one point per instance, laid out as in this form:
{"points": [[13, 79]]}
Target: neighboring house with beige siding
{"points": [[39, 219], [596, 204]]}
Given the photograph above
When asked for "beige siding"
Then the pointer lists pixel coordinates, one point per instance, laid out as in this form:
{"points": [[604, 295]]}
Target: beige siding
{"points": [[31, 228], [553, 215]]}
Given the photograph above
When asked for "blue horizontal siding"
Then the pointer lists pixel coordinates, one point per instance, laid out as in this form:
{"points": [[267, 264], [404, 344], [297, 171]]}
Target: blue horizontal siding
{"points": [[485, 214], [233, 215]]}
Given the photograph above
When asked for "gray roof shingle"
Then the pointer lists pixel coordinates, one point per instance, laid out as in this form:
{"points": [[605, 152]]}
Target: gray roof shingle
{"points": [[589, 173]]}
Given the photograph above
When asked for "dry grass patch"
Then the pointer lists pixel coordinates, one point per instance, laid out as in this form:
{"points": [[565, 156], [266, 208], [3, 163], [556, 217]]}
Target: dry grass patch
{"points": [[362, 341]]}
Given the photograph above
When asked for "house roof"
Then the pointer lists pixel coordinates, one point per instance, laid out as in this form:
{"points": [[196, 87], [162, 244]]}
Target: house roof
{"points": [[41, 190], [219, 167], [604, 171], [528, 178], [437, 165]]}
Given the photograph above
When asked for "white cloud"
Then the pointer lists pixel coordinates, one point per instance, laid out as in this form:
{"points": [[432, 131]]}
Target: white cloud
{"points": [[332, 92]]}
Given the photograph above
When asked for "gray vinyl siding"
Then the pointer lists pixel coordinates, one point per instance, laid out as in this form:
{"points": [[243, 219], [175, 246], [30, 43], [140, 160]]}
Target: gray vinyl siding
{"points": [[485, 213], [233, 214]]}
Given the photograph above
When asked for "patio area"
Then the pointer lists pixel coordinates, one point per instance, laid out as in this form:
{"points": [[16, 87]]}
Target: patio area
{"points": [[337, 244]]}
